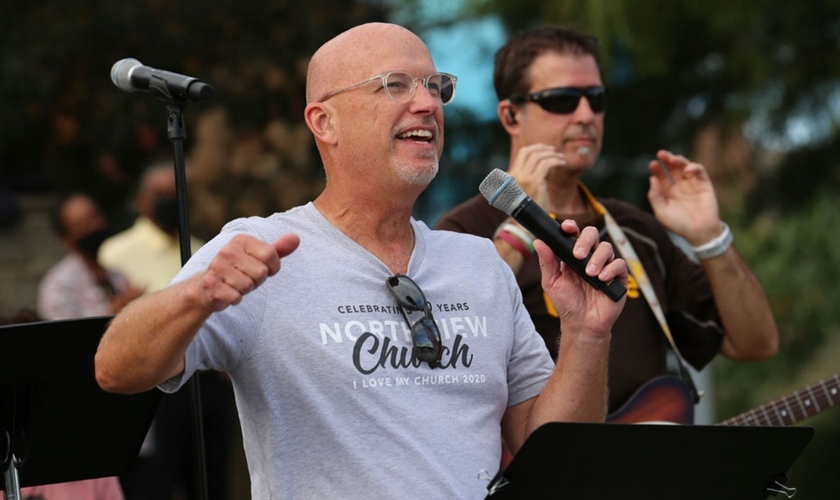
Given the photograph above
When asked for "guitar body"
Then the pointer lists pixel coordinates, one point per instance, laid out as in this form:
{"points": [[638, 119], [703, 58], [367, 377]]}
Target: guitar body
{"points": [[663, 399]]}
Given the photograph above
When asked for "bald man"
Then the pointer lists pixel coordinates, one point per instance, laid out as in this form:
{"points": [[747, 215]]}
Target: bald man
{"points": [[148, 252], [383, 358]]}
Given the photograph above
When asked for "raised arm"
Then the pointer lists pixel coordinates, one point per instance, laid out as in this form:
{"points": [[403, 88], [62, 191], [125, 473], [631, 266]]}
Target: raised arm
{"points": [[146, 342], [683, 200], [577, 390]]}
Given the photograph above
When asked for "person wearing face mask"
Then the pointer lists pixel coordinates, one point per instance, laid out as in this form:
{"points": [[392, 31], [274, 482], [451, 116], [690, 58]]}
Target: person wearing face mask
{"points": [[149, 252], [79, 285]]}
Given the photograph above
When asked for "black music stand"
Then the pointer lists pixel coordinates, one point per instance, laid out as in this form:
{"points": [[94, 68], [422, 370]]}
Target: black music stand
{"points": [[54, 418], [654, 462]]}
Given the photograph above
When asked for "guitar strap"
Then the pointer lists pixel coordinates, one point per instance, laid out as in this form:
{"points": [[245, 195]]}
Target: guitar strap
{"points": [[634, 265]]}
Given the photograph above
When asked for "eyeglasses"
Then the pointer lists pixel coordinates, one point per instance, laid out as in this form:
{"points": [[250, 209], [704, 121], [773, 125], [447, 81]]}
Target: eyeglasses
{"points": [[425, 334], [565, 100], [400, 86]]}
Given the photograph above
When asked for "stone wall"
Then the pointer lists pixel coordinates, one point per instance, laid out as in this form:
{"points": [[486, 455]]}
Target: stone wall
{"points": [[27, 251]]}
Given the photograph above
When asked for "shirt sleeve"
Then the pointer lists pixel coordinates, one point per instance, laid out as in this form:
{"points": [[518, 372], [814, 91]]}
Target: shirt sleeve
{"points": [[530, 364], [225, 338]]}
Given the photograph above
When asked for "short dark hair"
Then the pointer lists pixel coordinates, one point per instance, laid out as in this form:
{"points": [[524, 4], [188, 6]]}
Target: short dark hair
{"points": [[510, 73]]}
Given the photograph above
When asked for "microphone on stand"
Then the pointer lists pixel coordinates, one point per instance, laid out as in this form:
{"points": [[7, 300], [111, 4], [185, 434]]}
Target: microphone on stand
{"points": [[503, 192], [129, 75]]}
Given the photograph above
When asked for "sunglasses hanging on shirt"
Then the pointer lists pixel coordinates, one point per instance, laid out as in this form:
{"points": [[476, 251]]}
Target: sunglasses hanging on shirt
{"points": [[425, 334]]}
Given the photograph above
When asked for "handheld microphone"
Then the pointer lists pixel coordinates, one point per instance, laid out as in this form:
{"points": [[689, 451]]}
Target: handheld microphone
{"points": [[129, 75], [503, 192]]}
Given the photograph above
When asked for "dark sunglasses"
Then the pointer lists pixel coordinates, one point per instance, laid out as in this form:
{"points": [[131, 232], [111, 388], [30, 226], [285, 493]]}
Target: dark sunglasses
{"points": [[565, 100], [425, 334]]}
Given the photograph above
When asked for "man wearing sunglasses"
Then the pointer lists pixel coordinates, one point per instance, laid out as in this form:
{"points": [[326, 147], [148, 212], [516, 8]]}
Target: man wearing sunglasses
{"points": [[384, 358], [552, 103]]}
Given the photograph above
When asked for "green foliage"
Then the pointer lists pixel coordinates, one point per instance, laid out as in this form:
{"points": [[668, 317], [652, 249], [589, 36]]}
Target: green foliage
{"points": [[792, 256], [795, 258], [65, 126]]}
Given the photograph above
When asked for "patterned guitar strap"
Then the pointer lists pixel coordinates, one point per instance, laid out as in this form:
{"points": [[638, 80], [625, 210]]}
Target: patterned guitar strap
{"points": [[634, 265]]}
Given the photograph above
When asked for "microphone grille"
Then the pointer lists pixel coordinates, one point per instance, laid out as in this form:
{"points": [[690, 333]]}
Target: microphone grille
{"points": [[501, 191], [121, 73]]}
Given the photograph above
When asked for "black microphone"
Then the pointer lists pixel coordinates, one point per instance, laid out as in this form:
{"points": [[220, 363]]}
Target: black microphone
{"points": [[130, 75], [504, 193]]}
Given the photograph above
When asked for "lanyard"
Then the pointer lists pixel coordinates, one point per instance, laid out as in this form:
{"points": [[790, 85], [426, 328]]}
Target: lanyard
{"points": [[634, 265]]}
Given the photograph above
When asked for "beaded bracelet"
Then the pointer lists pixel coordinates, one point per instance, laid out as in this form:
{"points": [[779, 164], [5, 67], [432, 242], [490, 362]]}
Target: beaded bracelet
{"points": [[717, 246]]}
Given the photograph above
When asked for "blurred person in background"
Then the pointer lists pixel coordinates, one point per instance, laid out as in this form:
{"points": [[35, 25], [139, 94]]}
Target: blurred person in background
{"points": [[149, 252], [79, 286]]}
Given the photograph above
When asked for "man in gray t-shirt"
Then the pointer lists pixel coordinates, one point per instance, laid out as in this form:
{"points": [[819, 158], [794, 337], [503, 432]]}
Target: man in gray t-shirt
{"points": [[383, 359]]}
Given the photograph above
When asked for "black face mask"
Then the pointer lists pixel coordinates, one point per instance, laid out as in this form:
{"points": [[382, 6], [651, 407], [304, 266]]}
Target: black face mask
{"points": [[166, 213], [89, 244]]}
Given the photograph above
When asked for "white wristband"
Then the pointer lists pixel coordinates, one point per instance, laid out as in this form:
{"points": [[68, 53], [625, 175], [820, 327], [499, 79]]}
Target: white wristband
{"points": [[510, 225], [717, 246], [520, 233]]}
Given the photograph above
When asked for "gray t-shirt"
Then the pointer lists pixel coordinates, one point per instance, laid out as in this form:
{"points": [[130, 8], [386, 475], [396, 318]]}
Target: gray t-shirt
{"points": [[319, 355]]}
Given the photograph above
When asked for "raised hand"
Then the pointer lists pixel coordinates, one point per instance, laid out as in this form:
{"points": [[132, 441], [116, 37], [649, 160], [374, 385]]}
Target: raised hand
{"points": [[240, 267], [531, 168], [683, 198]]}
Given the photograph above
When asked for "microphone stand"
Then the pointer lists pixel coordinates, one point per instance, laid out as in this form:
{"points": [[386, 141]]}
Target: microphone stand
{"points": [[176, 131]]}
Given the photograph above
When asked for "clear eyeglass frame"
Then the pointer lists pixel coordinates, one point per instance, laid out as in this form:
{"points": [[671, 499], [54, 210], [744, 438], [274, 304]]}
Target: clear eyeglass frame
{"points": [[400, 86]]}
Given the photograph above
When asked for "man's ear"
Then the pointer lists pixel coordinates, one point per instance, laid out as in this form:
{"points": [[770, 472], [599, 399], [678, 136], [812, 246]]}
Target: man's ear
{"points": [[320, 118], [511, 120], [507, 114]]}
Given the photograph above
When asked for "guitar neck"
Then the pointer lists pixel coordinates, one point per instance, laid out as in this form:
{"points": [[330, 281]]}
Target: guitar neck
{"points": [[795, 407]]}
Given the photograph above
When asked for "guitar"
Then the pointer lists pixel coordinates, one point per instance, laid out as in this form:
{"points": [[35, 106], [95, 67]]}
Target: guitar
{"points": [[668, 399]]}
